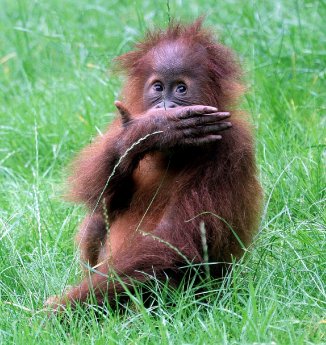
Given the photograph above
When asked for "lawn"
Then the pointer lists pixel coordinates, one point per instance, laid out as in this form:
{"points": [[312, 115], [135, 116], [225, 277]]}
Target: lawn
{"points": [[57, 89]]}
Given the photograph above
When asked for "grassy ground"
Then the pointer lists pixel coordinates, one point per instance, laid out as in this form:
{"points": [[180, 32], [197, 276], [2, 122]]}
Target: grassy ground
{"points": [[57, 92]]}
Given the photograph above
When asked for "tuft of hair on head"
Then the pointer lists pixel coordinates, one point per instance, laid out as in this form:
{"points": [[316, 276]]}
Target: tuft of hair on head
{"points": [[176, 30]]}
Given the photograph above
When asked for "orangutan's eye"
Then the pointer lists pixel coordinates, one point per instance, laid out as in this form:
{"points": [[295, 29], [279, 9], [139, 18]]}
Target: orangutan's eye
{"points": [[158, 86], [181, 88]]}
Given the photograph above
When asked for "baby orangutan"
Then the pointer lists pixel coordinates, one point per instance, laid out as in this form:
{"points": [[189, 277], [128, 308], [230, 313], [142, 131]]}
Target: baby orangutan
{"points": [[174, 158]]}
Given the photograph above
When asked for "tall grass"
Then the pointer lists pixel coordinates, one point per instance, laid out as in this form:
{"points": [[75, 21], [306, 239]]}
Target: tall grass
{"points": [[56, 93]]}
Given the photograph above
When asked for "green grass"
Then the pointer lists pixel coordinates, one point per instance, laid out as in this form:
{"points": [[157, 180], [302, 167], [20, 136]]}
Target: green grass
{"points": [[56, 93]]}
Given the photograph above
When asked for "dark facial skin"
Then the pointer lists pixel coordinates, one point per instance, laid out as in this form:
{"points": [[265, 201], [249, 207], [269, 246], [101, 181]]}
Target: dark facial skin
{"points": [[172, 82], [168, 91]]}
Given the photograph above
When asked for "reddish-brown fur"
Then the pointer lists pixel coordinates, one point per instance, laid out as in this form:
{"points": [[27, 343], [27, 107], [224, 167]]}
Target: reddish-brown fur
{"points": [[146, 219]]}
